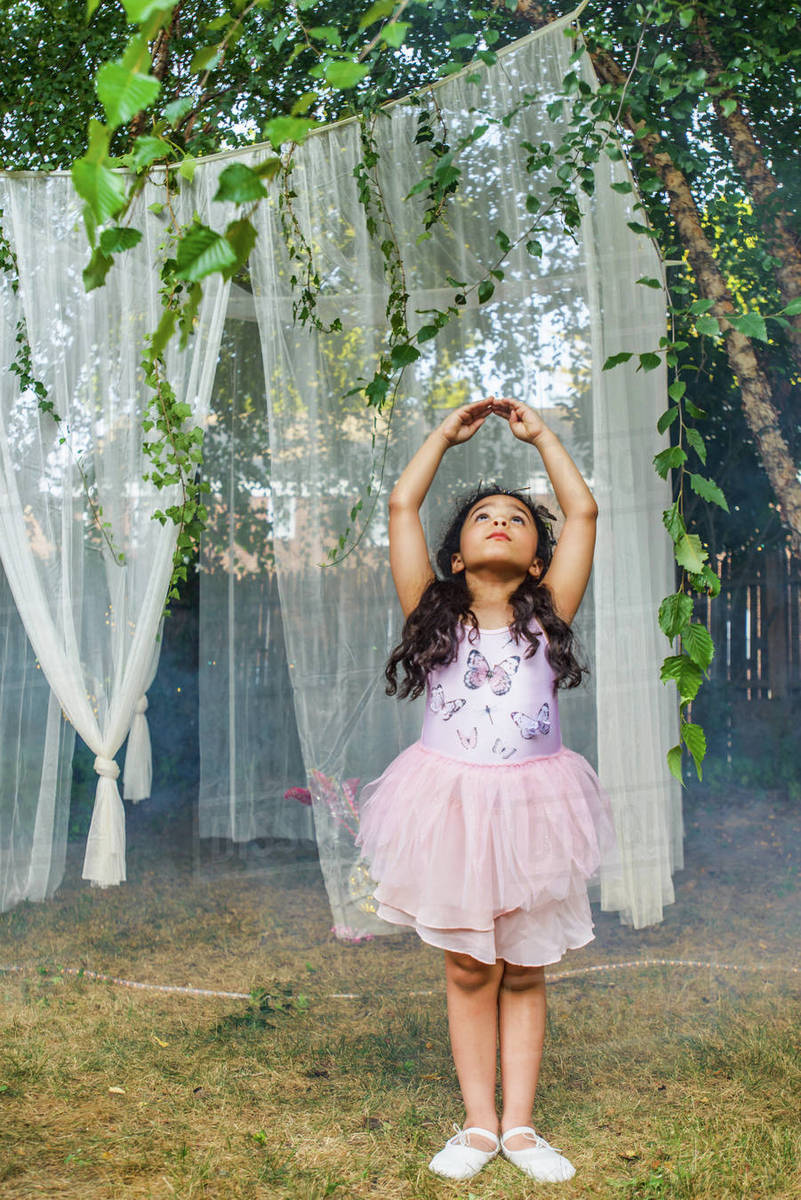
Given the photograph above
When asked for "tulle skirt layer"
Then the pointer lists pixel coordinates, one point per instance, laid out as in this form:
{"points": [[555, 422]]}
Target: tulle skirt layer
{"points": [[491, 861]]}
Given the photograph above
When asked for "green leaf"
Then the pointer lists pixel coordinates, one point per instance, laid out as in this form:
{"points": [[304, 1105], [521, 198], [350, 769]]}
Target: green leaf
{"points": [[708, 490], [96, 270], [118, 238], [673, 457], [147, 149], [376, 390], [139, 10], [344, 74], [696, 640], [667, 418], [624, 189], [701, 306], [674, 761], [751, 324], [646, 281], [686, 674], [303, 104], [709, 581], [123, 93], [395, 34], [674, 613], [677, 390], [686, 17], [727, 106], [288, 129], [268, 168], [187, 167], [689, 552], [326, 33], [242, 236], [239, 185], [650, 361], [485, 290], [615, 360], [698, 414], [377, 12], [708, 326], [461, 41], [673, 521], [793, 308], [697, 442], [96, 183], [205, 57], [403, 354], [695, 740], [426, 333], [201, 252], [176, 110]]}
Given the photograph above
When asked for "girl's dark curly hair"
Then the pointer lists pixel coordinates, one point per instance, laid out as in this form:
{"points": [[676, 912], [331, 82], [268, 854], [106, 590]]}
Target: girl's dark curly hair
{"points": [[430, 636]]}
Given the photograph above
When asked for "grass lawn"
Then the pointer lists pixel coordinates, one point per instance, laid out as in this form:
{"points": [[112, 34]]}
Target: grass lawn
{"points": [[657, 1082]]}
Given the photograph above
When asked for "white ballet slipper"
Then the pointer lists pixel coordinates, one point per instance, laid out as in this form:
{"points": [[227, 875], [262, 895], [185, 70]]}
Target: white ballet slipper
{"points": [[539, 1160], [458, 1159]]}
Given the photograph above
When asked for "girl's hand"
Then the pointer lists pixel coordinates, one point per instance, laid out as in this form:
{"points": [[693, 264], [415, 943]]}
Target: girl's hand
{"points": [[460, 425], [524, 422]]}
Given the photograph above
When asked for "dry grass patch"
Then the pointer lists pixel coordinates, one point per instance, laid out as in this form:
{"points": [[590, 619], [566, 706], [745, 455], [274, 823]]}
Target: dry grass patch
{"points": [[658, 1083], [657, 1086]]}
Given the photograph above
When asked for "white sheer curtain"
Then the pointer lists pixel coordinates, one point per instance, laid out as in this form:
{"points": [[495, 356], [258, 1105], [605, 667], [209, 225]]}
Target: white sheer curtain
{"points": [[37, 743], [137, 778], [543, 337], [250, 754], [72, 495], [35, 769]]}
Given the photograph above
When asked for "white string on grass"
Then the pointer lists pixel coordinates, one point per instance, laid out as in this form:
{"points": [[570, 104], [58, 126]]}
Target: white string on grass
{"points": [[174, 989]]}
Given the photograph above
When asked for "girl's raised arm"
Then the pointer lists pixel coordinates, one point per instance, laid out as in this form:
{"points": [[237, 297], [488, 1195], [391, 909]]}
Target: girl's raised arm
{"points": [[569, 572], [408, 553]]}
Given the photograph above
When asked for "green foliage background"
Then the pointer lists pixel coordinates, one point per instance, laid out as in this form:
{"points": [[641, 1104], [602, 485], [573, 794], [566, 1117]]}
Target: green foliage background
{"points": [[180, 80]]}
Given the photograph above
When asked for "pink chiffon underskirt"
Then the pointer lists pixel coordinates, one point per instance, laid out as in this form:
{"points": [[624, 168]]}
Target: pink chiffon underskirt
{"points": [[490, 861]]}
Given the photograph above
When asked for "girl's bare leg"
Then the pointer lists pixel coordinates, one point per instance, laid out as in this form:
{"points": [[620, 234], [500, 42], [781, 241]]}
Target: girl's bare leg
{"points": [[521, 1013], [472, 989]]}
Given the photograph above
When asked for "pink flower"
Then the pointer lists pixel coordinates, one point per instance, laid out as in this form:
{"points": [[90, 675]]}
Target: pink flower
{"points": [[301, 794]]}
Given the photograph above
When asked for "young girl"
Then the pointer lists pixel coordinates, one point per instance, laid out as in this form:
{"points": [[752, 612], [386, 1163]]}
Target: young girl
{"points": [[483, 834]]}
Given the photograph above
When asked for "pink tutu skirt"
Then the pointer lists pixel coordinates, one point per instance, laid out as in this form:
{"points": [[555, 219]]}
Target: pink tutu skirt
{"points": [[490, 861]]}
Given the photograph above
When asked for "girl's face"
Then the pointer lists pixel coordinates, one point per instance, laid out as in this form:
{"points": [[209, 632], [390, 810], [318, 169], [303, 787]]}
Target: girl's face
{"points": [[498, 532]]}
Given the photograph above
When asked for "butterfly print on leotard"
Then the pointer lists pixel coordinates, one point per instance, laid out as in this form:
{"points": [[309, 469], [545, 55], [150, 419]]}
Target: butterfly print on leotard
{"points": [[530, 727], [468, 740], [498, 677], [498, 747], [447, 707]]}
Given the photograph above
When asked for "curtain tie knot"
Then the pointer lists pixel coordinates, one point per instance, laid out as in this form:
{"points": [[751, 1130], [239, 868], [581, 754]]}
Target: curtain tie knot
{"points": [[106, 767], [141, 705]]}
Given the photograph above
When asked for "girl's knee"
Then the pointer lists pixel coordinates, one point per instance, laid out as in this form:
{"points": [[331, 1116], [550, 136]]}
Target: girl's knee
{"points": [[468, 973], [522, 979]]}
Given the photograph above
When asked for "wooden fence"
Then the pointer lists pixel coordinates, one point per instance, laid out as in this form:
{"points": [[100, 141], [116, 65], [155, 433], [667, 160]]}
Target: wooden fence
{"points": [[756, 626]]}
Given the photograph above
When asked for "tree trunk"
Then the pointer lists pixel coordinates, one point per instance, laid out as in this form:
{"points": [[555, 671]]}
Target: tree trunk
{"points": [[755, 391], [159, 61], [750, 162]]}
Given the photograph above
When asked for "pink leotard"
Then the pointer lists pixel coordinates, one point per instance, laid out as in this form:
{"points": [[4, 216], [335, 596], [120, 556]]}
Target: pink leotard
{"points": [[492, 704]]}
